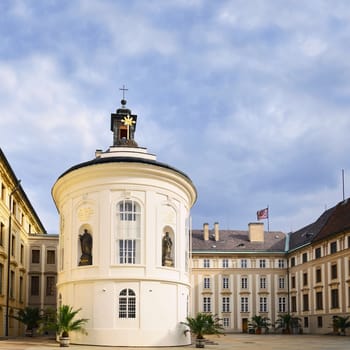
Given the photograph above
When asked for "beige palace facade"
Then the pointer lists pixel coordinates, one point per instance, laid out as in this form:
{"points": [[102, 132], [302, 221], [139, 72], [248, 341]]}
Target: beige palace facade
{"points": [[239, 274], [20, 233]]}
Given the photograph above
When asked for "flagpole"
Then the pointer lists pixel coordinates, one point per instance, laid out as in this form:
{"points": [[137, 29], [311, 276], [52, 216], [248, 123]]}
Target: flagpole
{"points": [[268, 219]]}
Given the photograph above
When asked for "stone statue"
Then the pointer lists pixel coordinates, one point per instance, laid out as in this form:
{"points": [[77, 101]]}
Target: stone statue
{"points": [[167, 244], [86, 248]]}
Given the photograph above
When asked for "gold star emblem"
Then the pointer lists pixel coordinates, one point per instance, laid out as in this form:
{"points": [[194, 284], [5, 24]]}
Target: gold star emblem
{"points": [[128, 121]]}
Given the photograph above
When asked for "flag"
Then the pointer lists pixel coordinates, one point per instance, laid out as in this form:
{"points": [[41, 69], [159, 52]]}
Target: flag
{"points": [[262, 214]]}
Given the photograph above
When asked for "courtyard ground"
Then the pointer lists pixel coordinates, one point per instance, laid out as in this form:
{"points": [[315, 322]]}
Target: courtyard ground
{"points": [[227, 342]]}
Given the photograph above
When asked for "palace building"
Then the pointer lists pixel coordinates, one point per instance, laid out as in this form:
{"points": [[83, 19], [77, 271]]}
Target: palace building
{"points": [[127, 256], [26, 278]]}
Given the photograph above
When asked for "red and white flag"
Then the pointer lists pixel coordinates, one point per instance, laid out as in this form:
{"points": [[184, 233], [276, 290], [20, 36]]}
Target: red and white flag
{"points": [[262, 214]]}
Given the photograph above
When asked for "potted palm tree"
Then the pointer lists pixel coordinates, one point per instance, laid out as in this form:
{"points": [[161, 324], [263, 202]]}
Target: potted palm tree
{"points": [[341, 323], [66, 322], [201, 324], [30, 317], [287, 322], [259, 322]]}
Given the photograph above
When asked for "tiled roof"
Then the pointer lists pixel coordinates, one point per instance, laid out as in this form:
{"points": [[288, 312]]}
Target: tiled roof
{"points": [[237, 241], [332, 221]]}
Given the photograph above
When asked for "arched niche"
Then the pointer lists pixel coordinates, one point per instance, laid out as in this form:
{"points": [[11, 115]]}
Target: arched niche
{"points": [[85, 245], [168, 247]]}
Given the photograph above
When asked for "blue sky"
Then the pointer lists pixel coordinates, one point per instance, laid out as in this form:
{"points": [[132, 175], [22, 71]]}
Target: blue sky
{"points": [[250, 98]]}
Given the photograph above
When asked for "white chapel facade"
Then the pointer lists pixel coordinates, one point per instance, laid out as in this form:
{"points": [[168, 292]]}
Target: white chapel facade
{"points": [[124, 243]]}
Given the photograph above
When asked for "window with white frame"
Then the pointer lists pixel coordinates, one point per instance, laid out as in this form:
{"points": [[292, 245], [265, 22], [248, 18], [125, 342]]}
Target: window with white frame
{"points": [[206, 263], [206, 304], [225, 304], [282, 304], [225, 282], [244, 304], [127, 303], [262, 263], [128, 231], [263, 304], [244, 282], [263, 283], [226, 322], [206, 282], [281, 263], [225, 263], [281, 282], [244, 263]]}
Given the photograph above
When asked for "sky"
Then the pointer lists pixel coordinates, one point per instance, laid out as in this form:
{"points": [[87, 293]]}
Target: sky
{"points": [[251, 99]]}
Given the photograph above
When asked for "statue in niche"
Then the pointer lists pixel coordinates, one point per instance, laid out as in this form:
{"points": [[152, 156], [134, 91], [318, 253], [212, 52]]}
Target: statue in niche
{"points": [[167, 244], [86, 248]]}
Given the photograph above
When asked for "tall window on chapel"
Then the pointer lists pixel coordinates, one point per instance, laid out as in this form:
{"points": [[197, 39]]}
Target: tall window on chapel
{"points": [[128, 232]]}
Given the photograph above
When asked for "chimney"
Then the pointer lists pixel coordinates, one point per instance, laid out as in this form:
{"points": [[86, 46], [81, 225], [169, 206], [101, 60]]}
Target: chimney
{"points": [[206, 231], [216, 230], [256, 232]]}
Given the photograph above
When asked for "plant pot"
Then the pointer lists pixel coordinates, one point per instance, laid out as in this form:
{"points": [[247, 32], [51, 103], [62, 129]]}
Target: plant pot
{"points": [[200, 343], [64, 342]]}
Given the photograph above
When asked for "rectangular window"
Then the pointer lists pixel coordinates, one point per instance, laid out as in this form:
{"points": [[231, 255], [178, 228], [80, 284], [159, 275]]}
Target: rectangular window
{"points": [[263, 304], [281, 263], [22, 253], [206, 282], [127, 251], [294, 303], [304, 257], [206, 304], [262, 263], [263, 283], [244, 263], [305, 279], [334, 299], [21, 289], [51, 257], [13, 245], [318, 276], [318, 253], [12, 284], [225, 282], [319, 322], [244, 304], [35, 256], [305, 302], [34, 286], [334, 271], [225, 263], [292, 280], [292, 261], [206, 263], [50, 286], [306, 322], [348, 241], [244, 282], [319, 301], [281, 282], [2, 192], [333, 247], [226, 322], [2, 232], [282, 304], [225, 304]]}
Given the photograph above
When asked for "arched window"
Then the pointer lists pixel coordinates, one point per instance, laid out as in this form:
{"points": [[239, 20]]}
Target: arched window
{"points": [[128, 232], [127, 304]]}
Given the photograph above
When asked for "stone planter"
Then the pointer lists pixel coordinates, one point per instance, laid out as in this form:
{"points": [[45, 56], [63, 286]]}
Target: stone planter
{"points": [[200, 343]]}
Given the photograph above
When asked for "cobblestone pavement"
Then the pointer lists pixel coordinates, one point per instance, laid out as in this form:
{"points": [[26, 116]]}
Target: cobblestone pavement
{"points": [[227, 342]]}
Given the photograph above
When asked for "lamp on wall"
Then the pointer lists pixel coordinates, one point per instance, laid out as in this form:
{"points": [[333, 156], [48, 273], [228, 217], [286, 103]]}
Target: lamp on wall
{"points": [[9, 258]]}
